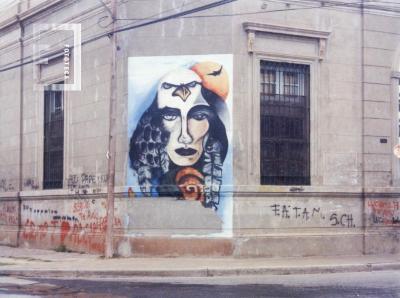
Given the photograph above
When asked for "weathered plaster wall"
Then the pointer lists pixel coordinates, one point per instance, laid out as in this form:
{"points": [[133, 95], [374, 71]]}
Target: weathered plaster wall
{"points": [[9, 120], [353, 107], [77, 224], [382, 225], [268, 226], [381, 39], [279, 225], [335, 89], [9, 221], [141, 227]]}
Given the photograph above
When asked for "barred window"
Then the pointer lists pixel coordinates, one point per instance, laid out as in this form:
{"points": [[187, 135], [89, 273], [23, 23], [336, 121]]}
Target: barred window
{"points": [[269, 80], [285, 123], [290, 83], [53, 164]]}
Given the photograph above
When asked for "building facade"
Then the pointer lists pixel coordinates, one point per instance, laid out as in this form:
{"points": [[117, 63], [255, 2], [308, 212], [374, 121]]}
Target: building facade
{"points": [[245, 128]]}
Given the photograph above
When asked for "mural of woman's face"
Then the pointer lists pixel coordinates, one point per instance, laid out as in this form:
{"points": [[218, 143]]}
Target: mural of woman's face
{"points": [[185, 115]]}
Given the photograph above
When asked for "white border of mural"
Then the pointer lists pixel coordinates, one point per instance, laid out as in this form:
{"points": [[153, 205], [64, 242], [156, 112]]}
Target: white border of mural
{"points": [[144, 74]]}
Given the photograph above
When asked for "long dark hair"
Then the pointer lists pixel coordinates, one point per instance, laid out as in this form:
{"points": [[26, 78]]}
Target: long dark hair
{"points": [[149, 159]]}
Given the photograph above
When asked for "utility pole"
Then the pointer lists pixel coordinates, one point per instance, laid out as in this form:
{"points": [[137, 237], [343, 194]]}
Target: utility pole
{"points": [[21, 113], [109, 247]]}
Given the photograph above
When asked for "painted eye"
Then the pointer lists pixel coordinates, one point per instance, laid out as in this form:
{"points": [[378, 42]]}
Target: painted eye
{"points": [[169, 117], [199, 116], [192, 84], [166, 85]]}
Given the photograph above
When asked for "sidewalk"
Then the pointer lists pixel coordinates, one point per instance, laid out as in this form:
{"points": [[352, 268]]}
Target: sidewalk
{"points": [[45, 263]]}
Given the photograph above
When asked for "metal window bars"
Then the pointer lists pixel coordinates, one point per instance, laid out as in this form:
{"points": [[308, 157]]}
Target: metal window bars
{"points": [[53, 163], [285, 123]]}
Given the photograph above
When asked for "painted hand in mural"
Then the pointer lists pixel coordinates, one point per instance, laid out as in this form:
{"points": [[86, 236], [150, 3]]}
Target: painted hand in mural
{"points": [[180, 143]]}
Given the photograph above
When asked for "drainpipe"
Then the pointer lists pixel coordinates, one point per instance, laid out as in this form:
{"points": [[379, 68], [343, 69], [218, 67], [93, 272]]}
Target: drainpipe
{"points": [[21, 128]]}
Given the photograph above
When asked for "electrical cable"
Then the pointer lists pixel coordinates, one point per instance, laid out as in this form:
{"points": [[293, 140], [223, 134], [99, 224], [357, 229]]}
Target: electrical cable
{"points": [[161, 13], [186, 14], [344, 4], [54, 47], [108, 33], [276, 10], [255, 12], [65, 39], [51, 47], [174, 16]]}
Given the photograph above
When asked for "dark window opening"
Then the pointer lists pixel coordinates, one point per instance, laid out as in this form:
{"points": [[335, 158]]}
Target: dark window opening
{"points": [[53, 164], [285, 123]]}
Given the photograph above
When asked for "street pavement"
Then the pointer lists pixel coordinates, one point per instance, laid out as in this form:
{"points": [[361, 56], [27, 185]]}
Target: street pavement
{"points": [[382, 284], [44, 273], [46, 263]]}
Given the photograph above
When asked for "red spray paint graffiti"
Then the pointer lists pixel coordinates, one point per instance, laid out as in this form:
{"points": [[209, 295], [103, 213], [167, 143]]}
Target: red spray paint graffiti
{"points": [[64, 230], [8, 214], [385, 212], [83, 229]]}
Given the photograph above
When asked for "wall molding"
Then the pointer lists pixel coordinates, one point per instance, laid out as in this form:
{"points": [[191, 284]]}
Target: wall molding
{"points": [[254, 29], [29, 13]]}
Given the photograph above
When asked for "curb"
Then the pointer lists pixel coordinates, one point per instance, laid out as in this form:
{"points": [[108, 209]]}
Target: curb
{"points": [[202, 272]]}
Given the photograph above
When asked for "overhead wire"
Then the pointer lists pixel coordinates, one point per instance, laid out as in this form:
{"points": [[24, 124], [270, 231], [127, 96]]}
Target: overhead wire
{"points": [[158, 14], [325, 2], [264, 11], [279, 10], [174, 16], [187, 14], [55, 47], [184, 4], [326, 5], [65, 39], [60, 41], [108, 33]]}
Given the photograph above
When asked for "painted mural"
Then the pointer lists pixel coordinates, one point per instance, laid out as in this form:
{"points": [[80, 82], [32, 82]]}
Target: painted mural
{"points": [[179, 127]]}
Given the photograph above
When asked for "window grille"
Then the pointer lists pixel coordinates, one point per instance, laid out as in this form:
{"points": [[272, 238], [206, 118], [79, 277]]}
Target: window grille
{"points": [[53, 164], [285, 123]]}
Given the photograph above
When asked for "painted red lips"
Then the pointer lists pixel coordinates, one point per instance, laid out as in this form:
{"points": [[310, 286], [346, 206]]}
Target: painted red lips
{"points": [[185, 151]]}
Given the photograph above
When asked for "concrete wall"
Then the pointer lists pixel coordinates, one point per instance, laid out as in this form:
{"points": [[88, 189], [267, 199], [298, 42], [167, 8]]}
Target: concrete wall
{"points": [[352, 204]]}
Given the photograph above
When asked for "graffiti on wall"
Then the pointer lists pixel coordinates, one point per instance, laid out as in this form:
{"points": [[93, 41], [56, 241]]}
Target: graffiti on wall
{"points": [[80, 224], [305, 214], [31, 183], [179, 127], [384, 212], [9, 214], [86, 183], [6, 185]]}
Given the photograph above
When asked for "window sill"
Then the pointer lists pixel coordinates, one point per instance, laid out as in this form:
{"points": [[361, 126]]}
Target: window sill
{"points": [[44, 192], [295, 189], [8, 194], [101, 191]]}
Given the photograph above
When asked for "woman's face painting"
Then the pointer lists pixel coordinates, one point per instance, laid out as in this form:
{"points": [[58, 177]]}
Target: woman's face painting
{"points": [[185, 115]]}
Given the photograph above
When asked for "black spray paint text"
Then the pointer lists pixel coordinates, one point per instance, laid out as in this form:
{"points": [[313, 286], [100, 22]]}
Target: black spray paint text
{"points": [[336, 219]]}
